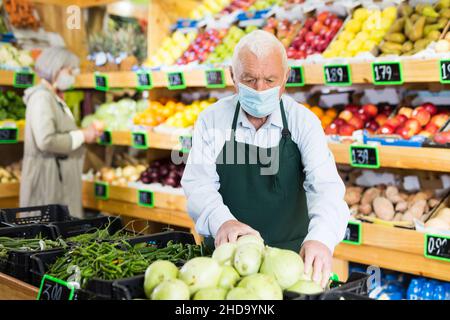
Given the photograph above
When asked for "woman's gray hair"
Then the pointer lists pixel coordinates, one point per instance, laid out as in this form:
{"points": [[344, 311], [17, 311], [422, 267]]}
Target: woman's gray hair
{"points": [[260, 43], [52, 60]]}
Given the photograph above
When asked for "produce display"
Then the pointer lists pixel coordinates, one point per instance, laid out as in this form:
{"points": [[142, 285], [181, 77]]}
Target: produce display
{"points": [[244, 270], [171, 49], [362, 33], [237, 5], [416, 28], [27, 245], [12, 58], [12, 106], [187, 117], [440, 220], [120, 176], [284, 30], [163, 172], [158, 112], [11, 173], [391, 204], [326, 116], [355, 117], [315, 35], [101, 234], [21, 14], [202, 46], [208, 8], [264, 4]]}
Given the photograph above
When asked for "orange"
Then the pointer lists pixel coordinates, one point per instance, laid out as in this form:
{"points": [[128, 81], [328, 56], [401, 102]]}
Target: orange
{"points": [[332, 113], [317, 111], [326, 120]]}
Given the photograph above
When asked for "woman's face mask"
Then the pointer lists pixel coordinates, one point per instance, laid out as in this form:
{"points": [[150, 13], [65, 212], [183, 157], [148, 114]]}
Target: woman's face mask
{"points": [[259, 104], [65, 80]]}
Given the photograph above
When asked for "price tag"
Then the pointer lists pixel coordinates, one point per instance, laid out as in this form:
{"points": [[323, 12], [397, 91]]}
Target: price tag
{"points": [[23, 79], [176, 80], [146, 198], [364, 156], [144, 80], [55, 289], [186, 143], [106, 138], [296, 77], [444, 67], [337, 75], [353, 233], [9, 135], [101, 190], [101, 82], [140, 140], [215, 78], [437, 247], [387, 73]]}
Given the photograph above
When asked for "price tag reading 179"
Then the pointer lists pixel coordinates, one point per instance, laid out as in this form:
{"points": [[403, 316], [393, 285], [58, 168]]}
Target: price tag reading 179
{"points": [[337, 75], [387, 73], [364, 156], [437, 247]]}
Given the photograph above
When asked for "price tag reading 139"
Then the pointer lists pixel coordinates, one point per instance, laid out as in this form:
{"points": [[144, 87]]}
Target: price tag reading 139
{"points": [[55, 289], [364, 156], [337, 75], [387, 73], [437, 247]]}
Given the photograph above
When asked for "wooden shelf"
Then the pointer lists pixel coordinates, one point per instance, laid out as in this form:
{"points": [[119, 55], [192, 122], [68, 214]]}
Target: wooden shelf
{"points": [[14, 289]]}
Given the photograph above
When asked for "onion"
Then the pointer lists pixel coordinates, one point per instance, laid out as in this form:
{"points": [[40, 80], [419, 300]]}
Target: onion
{"points": [[242, 294], [172, 289], [210, 294], [247, 259], [251, 239], [228, 278], [158, 272], [306, 287], [224, 254], [265, 286], [285, 266], [200, 272]]}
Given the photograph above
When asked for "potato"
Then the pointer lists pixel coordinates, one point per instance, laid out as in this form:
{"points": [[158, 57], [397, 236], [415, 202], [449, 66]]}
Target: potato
{"points": [[393, 195], [404, 196], [369, 195], [365, 209], [401, 206], [438, 224], [419, 196], [383, 208], [407, 217], [353, 195], [433, 202], [417, 209], [398, 217], [444, 214]]}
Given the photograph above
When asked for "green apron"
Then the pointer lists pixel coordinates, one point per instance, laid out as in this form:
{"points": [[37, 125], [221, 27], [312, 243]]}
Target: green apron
{"points": [[274, 204]]}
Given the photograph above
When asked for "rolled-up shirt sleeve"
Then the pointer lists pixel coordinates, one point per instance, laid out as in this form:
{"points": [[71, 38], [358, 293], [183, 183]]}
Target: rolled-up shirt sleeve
{"points": [[325, 190], [200, 183]]}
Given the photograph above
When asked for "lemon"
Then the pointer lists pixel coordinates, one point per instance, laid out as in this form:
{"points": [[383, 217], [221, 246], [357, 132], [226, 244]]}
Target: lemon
{"points": [[346, 36], [353, 26], [363, 36], [368, 45], [360, 14], [354, 45]]}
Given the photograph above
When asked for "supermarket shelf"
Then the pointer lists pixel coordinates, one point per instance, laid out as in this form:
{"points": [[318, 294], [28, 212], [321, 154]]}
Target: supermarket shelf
{"points": [[9, 195], [393, 248], [155, 140], [13, 289], [80, 3]]}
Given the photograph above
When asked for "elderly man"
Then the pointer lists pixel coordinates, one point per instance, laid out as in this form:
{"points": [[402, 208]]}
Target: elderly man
{"points": [[293, 202]]}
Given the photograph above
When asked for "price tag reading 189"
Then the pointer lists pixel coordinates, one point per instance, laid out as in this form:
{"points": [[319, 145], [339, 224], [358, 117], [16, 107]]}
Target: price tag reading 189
{"points": [[337, 75], [364, 156], [444, 71], [387, 73], [437, 247], [55, 289]]}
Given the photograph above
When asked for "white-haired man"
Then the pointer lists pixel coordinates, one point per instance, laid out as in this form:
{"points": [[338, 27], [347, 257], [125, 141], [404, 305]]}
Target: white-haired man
{"points": [[294, 200]]}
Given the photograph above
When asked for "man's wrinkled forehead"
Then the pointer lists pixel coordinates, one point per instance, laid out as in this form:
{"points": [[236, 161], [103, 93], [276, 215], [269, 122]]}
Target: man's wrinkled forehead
{"points": [[249, 63]]}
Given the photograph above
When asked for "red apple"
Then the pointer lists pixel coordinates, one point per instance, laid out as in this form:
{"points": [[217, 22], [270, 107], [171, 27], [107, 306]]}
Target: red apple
{"points": [[401, 118], [413, 126], [372, 125], [332, 128], [439, 119], [425, 133], [404, 132], [316, 27], [309, 23], [431, 128], [386, 129], [346, 130], [422, 115], [353, 108], [363, 115], [430, 107], [346, 115], [442, 137], [370, 109], [309, 37], [381, 119], [357, 122], [339, 121], [407, 112], [393, 122], [323, 16]]}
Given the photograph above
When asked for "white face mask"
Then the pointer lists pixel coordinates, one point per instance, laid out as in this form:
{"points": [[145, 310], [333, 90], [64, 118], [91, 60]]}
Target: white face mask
{"points": [[65, 81]]}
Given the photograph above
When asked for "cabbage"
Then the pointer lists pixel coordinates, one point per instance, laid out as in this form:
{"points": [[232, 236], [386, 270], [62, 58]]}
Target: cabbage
{"points": [[158, 272], [242, 294], [224, 253], [306, 287], [247, 259], [200, 272], [263, 285], [172, 289], [210, 294], [228, 278], [285, 266], [251, 239]]}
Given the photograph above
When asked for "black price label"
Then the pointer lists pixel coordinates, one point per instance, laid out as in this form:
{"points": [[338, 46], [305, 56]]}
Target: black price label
{"points": [[140, 140], [101, 190], [296, 77], [364, 156], [55, 289], [437, 247], [9, 135], [176, 80], [105, 138], [353, 233], [144, 80], [24, 79], [337, 75], [101, 82], [444, 71], [186, 143], [387, 73], [215, 78], [146, 198]]}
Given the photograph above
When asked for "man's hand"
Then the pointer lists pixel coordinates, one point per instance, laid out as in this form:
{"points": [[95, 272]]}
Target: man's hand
{"points": [[317, 256], [230, 230]]}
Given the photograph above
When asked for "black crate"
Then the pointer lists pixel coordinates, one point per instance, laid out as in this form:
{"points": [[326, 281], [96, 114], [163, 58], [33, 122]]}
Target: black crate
{"points": [[342, 295], [105, 289], [67, 229], [38, 214], [17, 263]]}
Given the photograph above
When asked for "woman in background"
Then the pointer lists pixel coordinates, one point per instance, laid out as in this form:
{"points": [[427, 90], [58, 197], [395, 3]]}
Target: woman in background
{"points": [[53, 145]]}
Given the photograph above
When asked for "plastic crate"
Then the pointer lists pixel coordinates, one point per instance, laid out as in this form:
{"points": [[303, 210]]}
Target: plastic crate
{"points": [[342, 295], [17, 263], [67, 229], [38, 214]]}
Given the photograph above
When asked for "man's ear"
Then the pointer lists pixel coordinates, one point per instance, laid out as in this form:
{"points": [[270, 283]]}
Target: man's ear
{"points": [[232, 74]]}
